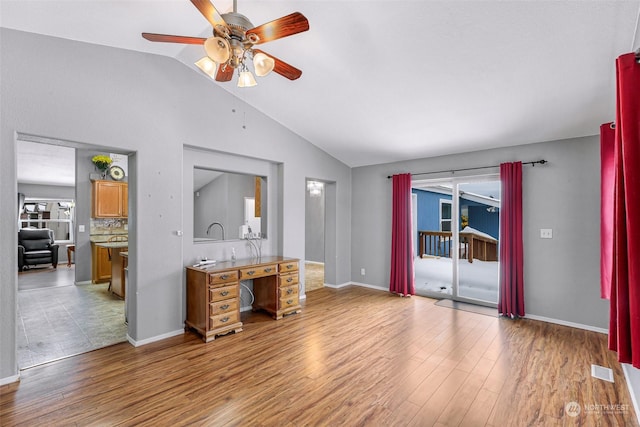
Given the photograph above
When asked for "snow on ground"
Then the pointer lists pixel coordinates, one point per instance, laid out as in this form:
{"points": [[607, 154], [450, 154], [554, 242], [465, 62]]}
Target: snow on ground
{"points": [[477, 280]]}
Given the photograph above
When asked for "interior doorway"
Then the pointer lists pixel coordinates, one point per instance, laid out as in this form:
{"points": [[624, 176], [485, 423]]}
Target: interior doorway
{"points": [[457, 238], [315, 232], [60, 311]]}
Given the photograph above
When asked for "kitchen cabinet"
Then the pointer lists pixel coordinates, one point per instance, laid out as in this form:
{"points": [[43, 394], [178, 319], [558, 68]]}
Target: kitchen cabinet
{"points": [[105, 260], [100, 264], [119, 260], [109, 199]]}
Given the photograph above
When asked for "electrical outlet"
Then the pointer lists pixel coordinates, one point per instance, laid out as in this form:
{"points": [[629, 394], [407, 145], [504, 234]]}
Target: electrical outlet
{"points": [[546, 233], [362, 271]]}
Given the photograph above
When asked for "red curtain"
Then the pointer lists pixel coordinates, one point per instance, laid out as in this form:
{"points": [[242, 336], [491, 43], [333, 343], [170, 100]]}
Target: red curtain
{"points": [[607, 179], [624, 323], [511, 301], [401, 281]]}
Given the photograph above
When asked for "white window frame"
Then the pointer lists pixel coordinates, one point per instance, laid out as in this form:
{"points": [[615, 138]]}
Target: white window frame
{"points": [[441, 219], [40, 222]]}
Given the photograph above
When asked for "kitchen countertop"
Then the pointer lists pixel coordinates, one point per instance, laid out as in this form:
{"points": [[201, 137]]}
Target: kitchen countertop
{"points": [[112, 244], [103, 238]]}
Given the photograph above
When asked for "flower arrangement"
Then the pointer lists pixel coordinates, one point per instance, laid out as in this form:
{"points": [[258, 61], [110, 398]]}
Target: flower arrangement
{"points": [[102, 162]]}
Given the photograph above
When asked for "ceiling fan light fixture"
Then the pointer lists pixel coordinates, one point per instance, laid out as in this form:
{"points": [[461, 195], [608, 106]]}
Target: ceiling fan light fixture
{"points": [[263, 64], [207, 66], [246, 79], [217, 49]]}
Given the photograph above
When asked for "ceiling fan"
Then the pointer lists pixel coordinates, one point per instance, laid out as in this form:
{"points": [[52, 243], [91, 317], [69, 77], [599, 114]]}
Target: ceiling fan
{"points": [[232, 43]]}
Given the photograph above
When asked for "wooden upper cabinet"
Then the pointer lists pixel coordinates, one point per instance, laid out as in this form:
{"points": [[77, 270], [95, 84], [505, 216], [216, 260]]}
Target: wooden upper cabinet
{"points": [[109, 199], [125, 200]]}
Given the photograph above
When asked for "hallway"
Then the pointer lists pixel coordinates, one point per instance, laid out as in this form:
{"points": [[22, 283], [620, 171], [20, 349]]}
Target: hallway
{"points": [[57, 318]]}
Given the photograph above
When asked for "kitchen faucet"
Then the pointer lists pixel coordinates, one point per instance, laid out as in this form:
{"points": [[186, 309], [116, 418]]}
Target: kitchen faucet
{"points": [[216, 223]]}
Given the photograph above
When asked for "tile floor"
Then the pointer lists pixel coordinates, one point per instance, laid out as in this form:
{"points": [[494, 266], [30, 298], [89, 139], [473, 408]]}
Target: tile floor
{"points": [[60, 319]]}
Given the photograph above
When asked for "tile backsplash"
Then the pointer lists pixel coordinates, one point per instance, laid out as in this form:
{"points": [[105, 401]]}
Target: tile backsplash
{"points": [[109, 226]]}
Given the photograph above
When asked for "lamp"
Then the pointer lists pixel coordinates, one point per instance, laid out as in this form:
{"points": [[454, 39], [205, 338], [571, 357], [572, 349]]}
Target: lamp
{"points": [[245, 78], [315, 188], [207, 66], [263, 64], [217, 49]]}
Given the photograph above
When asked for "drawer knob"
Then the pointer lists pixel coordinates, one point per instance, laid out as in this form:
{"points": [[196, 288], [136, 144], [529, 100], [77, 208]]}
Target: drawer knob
{"points": [[224, 276], [289, 291], [289, 301], [224, 293], [290, 279], [224, 319], [289, 266], [224, 307], [268, 270], [250, 273]]}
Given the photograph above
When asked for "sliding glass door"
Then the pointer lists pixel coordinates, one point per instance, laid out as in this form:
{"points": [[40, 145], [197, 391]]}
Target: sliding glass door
{"points": [[457, 238], [479, 206]]}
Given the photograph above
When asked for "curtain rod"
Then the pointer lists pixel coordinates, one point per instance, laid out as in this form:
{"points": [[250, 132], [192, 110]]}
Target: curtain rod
{"points": [[542, 162]]}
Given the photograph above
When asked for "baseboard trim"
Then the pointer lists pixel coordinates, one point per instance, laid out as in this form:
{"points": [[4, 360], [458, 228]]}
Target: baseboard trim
{"points": [[154, 339], [566, 323], [9, 380], [364, 285], [632, 376], [332, 286], [313, 262]]}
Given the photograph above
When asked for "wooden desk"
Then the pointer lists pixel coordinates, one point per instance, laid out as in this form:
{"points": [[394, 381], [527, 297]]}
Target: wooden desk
{"points": [[213, 293]]}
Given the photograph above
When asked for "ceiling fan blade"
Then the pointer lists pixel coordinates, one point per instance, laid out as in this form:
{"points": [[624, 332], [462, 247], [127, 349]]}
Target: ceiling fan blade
{"points": [[281, 67], [173, 39], [281, 27], [209, 11], [224, 73]]}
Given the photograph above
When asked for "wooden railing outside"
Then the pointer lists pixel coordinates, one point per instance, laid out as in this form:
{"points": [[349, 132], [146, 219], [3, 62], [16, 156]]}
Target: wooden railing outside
{"points": [[479, 247], [440, 244], [435, 243]]}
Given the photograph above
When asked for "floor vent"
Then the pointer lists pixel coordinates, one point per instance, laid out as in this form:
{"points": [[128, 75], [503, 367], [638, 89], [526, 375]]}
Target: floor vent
{"points": [[602, 373]]}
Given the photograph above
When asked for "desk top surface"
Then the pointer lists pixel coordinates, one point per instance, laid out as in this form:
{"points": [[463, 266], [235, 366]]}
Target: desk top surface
{"points": [[242, 263]]}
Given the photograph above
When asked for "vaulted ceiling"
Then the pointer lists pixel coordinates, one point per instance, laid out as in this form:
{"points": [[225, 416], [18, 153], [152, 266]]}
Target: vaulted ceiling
{"points": [[393, 80]]}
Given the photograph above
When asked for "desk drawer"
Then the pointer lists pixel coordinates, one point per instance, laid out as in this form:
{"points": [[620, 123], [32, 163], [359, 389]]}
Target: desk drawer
{"points": [[221, 307], [223, 277], [287, 302], [253, 272], [223, 320], [285, 267], [289, 291], [288, 279], [223, 292]]}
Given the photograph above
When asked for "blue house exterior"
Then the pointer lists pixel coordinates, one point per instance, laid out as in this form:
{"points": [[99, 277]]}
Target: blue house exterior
{"points": [[486, 221]]}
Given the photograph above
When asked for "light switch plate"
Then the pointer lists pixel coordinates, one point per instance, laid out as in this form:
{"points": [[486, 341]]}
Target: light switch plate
{"points": [[81, 228], [546, 233]]}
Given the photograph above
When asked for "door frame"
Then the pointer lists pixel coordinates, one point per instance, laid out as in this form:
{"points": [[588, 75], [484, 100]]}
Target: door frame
{"points": [[455, 225]]}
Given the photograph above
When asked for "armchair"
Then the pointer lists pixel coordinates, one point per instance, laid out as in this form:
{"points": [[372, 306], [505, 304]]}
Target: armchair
{"points": [[36, 246]]}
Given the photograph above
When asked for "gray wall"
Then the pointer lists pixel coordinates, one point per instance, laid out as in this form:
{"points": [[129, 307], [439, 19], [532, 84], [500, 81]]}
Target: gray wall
{"points": [[207, 207], [562, 275], [315, 229], [152, 106], [47, 191]]}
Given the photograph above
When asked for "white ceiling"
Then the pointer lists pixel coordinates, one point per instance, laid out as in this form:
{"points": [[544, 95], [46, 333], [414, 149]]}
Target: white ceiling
{"points": [[386, 81]]}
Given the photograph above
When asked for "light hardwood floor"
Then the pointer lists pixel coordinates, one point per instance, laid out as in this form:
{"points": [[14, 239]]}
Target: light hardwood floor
{"points": [[353, 357], [313, 276]]}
